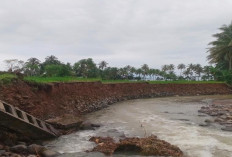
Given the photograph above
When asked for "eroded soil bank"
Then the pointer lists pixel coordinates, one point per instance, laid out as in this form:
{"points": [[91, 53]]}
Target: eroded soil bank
{"points": [[55, 99]]}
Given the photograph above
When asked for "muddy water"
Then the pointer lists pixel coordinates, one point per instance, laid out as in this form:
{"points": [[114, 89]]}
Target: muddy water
{"points": [[174, 119]]}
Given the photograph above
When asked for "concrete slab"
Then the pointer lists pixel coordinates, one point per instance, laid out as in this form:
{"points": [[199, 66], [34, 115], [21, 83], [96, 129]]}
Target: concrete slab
{"points": [[24, 123]]}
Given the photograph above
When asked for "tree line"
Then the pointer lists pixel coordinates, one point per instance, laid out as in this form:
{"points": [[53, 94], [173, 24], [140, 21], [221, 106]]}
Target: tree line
{"points": [[220, 54], [87, 68]]}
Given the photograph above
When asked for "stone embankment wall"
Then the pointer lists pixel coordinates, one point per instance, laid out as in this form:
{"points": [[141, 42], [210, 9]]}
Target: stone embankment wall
{"points": [[51, 100]]}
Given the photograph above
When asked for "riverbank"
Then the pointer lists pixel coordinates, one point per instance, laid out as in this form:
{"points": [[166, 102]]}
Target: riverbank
{"points": [[173, 119], [47, 101], [55, 99]]}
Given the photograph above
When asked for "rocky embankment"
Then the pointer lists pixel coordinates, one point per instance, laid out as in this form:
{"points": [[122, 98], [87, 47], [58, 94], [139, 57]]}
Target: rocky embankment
{"points": [[221, 110], [51, 100]]}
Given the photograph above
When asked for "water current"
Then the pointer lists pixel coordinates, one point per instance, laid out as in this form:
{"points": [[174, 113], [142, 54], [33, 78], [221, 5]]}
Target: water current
{"points": [[173, 119]]}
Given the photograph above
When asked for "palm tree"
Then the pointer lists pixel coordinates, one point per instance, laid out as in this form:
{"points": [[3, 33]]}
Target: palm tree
{"points": [[171, 67], [139, 71], [207, 72], [221, 49], [190, 70], [198, 70], [102, 65], [165, 68], [145, 70], [187, 72], [181, 67]]}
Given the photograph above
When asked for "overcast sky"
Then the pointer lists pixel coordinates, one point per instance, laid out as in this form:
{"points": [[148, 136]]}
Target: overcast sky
{"points": [[120, 32]]}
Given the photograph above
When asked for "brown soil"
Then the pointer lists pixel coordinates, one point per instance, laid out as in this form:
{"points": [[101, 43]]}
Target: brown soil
{"points": [[56, 99], [143, 146]]}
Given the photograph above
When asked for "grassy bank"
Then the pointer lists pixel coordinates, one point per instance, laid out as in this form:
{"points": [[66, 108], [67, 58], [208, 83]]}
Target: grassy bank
{"points": [[59, 79], [7, 78], [77, 79]]}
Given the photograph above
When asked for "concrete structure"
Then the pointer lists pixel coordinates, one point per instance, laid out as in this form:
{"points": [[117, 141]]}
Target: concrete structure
{"points": [[24, 123]]}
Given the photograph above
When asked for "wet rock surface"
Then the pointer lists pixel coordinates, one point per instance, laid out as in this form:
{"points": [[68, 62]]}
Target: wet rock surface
{"points": [[221, 111], [141, 146], [33, 150]]}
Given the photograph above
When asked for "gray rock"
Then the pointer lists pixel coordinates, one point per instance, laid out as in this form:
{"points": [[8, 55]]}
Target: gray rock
{"points": [[208, 121], [227, 128], [2, 152], [204, 124], [87, 126], [35, 148], [49, 153], [18, 148]]}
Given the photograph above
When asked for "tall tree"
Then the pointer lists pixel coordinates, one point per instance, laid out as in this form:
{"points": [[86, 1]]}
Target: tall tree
{"points": [[102, 65], [145, 70], [181, 67], [14, 65], [32, 67], [86, 68], [198, 70], [221, 49]]}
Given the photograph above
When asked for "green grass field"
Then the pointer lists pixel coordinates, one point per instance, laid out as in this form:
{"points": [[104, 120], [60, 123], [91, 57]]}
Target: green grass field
{"points": [[77, 79], [6, 78], [59, 79]]}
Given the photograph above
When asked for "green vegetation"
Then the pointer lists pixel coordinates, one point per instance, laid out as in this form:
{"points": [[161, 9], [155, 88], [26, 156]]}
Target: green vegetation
{"points": [[87, 69], [7, 78], [59, 79], [220, 53], [76, 79], [53, 70]]}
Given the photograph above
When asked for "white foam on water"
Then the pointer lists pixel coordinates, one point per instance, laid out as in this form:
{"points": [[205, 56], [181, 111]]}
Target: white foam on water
{"points": [[135, 119], [73, 143], [194, 140]]}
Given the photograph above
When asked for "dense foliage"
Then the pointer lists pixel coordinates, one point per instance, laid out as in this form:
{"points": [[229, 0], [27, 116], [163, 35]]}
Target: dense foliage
{"points": [[220, 53], [87, 68]]}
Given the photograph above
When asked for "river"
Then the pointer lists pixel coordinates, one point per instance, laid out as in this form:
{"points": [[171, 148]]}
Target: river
{"points": [[173, 119]]}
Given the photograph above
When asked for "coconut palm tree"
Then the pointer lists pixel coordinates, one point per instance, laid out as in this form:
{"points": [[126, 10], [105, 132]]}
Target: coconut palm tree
{"points": [[145, 70], [102, 65], [198, 70], [165, 68], [221, 48], [171, 67], [181, 67]]}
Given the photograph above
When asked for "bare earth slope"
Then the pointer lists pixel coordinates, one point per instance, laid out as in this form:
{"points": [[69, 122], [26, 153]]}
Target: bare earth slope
{"points": [[55, 99]]}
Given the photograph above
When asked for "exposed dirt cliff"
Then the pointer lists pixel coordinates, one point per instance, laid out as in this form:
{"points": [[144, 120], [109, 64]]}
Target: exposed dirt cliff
{"points": [[55, 99]]}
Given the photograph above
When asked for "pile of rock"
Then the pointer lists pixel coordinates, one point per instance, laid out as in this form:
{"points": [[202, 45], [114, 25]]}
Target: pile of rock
{"points": [[22, 150], [142, 146], [221, 110]]}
